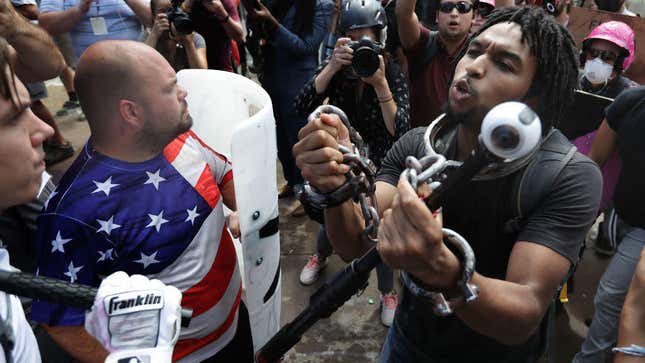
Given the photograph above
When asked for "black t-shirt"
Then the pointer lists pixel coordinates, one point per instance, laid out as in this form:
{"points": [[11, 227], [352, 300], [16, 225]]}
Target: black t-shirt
{"points": [[479, 212], [626, 116]]}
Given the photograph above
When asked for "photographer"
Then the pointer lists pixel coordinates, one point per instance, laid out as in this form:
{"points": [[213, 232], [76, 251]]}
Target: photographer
{"points": [[218, 22], [377, 105], [180, 50], [362, 97]]}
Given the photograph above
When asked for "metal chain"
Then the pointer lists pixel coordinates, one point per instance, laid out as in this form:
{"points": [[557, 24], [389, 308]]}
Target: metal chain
{"points": [[361, 187], [361, 178], [431, 169]]}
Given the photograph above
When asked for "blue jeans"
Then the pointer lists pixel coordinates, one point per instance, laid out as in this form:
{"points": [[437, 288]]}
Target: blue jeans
{"points": [[610, 297], [384, 274]]}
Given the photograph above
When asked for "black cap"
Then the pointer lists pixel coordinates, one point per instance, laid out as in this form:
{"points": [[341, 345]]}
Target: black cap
{"points": [[359, 14]]}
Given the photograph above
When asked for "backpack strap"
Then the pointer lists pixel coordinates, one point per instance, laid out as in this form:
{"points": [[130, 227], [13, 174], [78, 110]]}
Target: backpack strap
{"points": [[536, 182], [530, 189]]}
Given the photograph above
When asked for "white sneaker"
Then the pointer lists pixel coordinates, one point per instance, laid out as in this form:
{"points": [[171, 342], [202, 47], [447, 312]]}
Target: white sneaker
{"points": [[389, 302], [311, 271]]}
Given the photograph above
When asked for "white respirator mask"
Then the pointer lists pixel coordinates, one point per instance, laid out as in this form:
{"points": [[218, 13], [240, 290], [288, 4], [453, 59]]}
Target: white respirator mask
{"points": [[597, 71]]}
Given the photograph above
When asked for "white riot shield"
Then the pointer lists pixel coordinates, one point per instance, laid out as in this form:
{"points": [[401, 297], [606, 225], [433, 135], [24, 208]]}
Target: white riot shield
{"points": [[234, 115]]}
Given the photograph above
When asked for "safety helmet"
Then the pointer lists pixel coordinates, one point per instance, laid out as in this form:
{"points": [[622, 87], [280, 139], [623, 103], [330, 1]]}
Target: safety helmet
{"points": [[618, 33], [360, 14]]}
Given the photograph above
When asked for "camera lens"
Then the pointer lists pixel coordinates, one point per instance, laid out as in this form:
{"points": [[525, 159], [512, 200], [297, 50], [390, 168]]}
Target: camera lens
{"points": [[180, 21], [183, 24], [505, 137], [365, 61]]}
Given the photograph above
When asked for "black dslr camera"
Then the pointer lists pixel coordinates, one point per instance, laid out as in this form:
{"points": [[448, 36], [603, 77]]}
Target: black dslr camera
{"points": [[365, 61], [179, 18]]}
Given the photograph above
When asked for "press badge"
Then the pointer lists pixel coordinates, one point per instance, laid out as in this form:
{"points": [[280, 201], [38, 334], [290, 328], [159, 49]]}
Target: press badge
{"points": [[98, 25]]}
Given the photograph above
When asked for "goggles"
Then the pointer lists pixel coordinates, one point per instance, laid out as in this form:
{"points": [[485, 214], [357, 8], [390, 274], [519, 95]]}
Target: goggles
{"points": [[606, 56]]}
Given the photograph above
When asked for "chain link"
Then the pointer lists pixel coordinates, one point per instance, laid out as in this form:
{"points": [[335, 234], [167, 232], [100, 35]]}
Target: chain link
{"points": [[361, 187]]}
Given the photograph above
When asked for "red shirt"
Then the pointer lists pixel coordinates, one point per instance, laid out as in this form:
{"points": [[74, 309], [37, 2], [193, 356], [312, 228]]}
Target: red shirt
{"points": [[428, 78]]}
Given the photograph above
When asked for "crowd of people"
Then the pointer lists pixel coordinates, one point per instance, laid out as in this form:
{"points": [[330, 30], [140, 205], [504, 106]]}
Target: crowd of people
{"points": [[140, 211]]}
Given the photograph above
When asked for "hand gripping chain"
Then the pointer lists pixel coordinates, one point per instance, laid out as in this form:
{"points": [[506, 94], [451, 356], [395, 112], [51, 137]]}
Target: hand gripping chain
{"points": [[510, 118], [430, 169], [360, 183]]}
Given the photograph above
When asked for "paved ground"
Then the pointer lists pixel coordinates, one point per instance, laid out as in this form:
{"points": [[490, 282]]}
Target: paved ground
{"points": [[355, 334]]}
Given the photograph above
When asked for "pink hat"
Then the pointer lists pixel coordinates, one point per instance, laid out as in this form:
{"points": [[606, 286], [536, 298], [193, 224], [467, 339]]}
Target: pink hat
{"points": [[489, 2], [618, 33]]}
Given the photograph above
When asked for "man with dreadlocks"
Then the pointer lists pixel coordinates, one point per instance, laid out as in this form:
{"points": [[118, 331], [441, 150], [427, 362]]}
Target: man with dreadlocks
{"points": [[519, 54]]}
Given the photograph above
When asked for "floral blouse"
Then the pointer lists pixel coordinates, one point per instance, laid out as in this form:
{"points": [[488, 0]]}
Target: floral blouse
{"points": [[364, 114]]}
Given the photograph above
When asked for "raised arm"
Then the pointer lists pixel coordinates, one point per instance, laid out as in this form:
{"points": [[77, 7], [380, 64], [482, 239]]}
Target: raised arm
{"points": [[408, 23], [34, 55], [603, 145], [342, 57], [315, 91], [196, 56], [56, 20], [159, 25], [392, 96], [227, 15], [141, 9], [310, 43]]}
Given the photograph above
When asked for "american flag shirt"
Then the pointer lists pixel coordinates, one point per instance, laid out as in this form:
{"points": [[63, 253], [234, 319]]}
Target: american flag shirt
{"points": [[162, 218]]}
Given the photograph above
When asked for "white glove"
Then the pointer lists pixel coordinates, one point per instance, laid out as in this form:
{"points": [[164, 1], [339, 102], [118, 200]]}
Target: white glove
{"points": [[130, 315]]}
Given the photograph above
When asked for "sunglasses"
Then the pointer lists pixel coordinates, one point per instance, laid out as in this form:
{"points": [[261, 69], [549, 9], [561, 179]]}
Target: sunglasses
{"points": [[462, 7], [484, 10], [605, 55]]}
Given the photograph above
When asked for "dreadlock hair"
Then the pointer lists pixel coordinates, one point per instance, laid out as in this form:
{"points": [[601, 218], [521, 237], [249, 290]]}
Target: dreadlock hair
{"points": [[8, 86], [555, 54]]}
